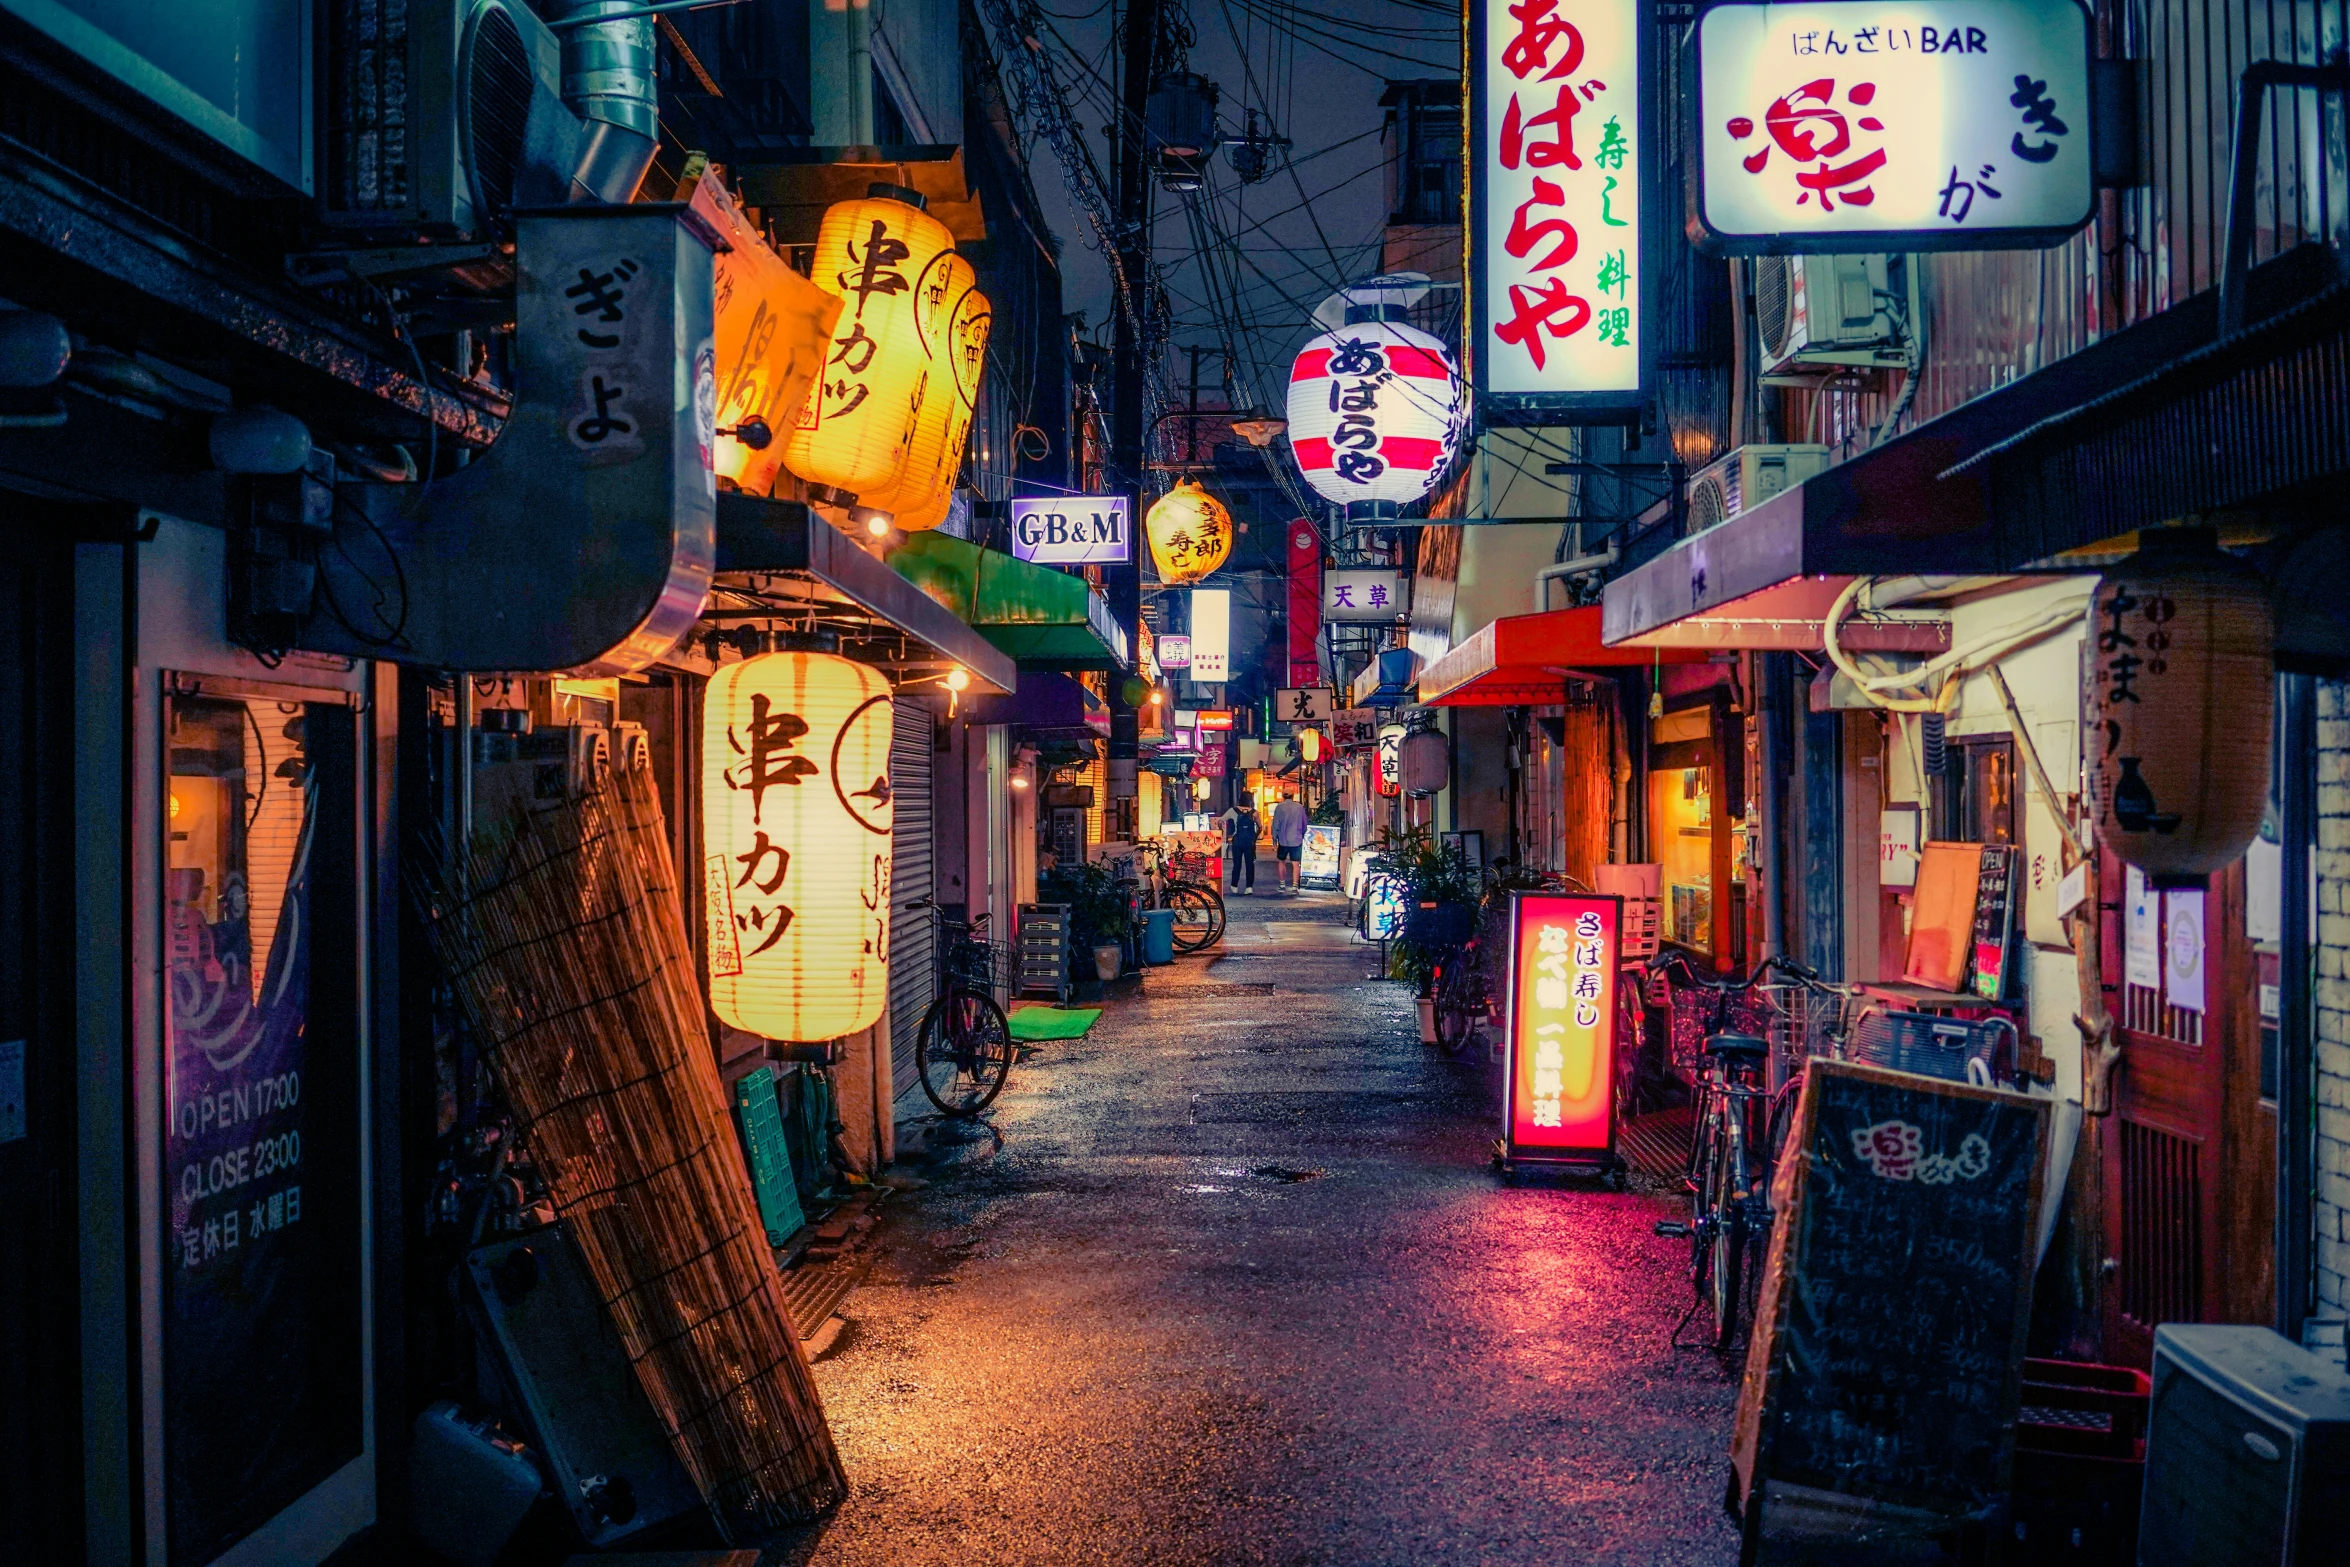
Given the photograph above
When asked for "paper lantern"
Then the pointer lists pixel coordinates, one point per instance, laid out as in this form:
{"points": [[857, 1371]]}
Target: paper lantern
{"points": [[2179, 682], [1423, 763], [796, 820], [856, 428], [1377, 410], [1391, 758], [1311, 747], [1190, 533], [953, 318]]}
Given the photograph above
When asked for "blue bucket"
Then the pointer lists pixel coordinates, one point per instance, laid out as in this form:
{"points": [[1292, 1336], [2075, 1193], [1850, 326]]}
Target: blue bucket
{"points": [[1158, 936]]}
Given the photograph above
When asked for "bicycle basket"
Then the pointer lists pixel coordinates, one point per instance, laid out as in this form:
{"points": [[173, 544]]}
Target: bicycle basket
{"points": [[976, 963], [1935, 1046]]}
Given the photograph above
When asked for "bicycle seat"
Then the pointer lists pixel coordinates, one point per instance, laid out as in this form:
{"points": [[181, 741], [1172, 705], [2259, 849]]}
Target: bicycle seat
{"points": [[1737, 1047]]}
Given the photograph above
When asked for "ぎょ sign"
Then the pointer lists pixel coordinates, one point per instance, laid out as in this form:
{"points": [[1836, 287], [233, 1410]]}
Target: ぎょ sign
{"points": [[1562, 1027], [1854, 125], [1557, 141], [1073, 530]]}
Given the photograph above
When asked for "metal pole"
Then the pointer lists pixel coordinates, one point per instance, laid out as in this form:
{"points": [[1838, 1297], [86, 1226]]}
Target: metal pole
{"points": [[1122, 583], [464, 739], [2296, 1222]]}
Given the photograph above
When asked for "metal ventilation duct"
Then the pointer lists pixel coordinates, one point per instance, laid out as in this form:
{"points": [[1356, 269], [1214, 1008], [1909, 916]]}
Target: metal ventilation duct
{"points": [[610, 81], [583, 538]]}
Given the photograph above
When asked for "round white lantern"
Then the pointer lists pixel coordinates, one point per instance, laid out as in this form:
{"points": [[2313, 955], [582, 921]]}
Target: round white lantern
{"points": [[796, 819], [1376, 409]]}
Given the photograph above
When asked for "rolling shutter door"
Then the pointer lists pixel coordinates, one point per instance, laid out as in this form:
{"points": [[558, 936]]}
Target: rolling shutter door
{"points": [[911, 935]]}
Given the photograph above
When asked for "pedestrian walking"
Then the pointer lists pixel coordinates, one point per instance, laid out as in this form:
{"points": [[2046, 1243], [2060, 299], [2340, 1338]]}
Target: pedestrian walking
{"points": [[1289, 838], [1240, 843]]}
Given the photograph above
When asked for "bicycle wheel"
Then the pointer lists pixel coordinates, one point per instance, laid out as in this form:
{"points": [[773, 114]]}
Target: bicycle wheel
{"points": [[1726, 1264], [963, 1052], [1459, 1006], [1196, 916]]}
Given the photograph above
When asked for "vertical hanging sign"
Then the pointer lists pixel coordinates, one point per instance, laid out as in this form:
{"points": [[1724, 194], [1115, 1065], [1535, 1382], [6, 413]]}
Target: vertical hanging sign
{"points": [[1560, 1103], [1560, 119], [1305, 604]]}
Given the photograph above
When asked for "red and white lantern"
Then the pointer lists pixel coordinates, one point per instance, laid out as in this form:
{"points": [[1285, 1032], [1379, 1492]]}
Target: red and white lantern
{"points": [[1376, 409]]}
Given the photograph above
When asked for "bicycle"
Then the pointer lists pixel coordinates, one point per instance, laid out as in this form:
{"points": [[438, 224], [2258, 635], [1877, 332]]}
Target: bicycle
{"points": [[963, 1048], [1198, 906]]}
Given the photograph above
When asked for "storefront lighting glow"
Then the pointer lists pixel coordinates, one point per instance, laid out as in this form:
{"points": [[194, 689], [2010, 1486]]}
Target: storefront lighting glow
{"points": [[796, 817]]}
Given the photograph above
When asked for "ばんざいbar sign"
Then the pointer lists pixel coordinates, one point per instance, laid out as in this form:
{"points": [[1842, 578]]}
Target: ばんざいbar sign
{"points": [[1562, 1027]]}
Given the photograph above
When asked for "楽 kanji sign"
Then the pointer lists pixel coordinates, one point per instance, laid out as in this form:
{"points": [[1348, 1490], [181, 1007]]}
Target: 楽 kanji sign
{"points": [[1350, 593], [1560, 1102], [1849, 125], [1560, 128]]}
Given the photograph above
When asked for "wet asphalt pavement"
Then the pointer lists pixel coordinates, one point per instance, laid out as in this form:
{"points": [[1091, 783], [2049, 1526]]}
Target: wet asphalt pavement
{"points": [[1231, 1280]]}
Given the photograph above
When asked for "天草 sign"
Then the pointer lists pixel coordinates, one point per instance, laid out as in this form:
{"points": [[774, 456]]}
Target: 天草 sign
{"points": [[1350, 593], [1073, 530], [1848, 125]]}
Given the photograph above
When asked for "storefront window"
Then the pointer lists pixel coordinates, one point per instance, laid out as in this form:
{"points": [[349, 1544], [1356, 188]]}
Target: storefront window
{"points": [[1681, 832], [261, 1308]]}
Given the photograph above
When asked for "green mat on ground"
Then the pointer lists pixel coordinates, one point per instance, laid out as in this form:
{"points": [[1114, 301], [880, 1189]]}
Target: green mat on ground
{"points": [[1053, 1022]]}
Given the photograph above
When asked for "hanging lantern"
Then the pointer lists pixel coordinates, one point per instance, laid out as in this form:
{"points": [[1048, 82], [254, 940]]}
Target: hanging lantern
{"points": [[2180, 680], [1311, 747], [1377, 409], [796, 818], [1190, 533], [953, 319], [1391, 758], [883, 256], [1423, 763]]}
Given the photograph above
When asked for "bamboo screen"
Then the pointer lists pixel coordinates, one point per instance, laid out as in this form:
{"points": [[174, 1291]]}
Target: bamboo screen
{"points": [[563, 938]]}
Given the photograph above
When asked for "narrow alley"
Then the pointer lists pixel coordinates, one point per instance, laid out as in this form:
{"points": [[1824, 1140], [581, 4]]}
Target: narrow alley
{"points": [[1232, 1280]]}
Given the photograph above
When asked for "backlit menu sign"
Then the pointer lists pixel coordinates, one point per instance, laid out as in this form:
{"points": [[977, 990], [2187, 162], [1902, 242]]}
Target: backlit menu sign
{"points": [[1852, 125], [1211, 635], [1559, 134], [1363, 594], [1073, 530], [1562, 1022]]}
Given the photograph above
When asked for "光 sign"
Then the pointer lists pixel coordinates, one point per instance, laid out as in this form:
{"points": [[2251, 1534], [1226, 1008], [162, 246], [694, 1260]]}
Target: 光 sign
{"points": [[1073, 530], [1850, 125]]}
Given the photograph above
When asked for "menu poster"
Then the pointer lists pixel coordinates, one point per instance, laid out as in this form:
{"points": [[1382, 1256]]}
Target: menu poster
{"points": [[1995, 910]]}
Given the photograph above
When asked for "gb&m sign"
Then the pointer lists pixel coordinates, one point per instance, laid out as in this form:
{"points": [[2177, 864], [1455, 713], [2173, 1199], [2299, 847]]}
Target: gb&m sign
{"points": [[1560, 120], [1073, 530], [1850, 125], [1560, 1102]]}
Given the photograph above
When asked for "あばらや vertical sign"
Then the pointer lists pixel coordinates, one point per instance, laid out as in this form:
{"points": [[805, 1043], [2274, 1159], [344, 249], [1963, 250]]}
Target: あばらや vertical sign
{"points": [[1558, 135], [1562, 1022]]}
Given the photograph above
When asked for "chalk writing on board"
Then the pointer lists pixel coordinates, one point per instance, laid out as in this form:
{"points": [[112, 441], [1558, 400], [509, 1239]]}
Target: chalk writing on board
{"points": [[1896, 1150]]}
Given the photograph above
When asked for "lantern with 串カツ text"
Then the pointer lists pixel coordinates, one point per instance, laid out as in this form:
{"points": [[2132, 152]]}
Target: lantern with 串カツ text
{"points": [[796, 819], [953, 318], [857, 427], [1190, 533], [2178, 692]]}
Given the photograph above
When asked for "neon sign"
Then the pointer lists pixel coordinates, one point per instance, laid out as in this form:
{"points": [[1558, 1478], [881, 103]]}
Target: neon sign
{"points": [[1562, 1025]]}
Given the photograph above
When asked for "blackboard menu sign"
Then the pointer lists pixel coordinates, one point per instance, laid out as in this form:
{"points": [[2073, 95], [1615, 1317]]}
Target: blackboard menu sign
{"points": [[1995, 922], [1889, 1340]]}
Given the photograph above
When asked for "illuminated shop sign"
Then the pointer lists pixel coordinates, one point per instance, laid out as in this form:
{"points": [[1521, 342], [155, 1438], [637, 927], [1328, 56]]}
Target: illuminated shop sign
{"points": [[1853, 125], [1562, 1023], [1559, 134], [1072, 530]]}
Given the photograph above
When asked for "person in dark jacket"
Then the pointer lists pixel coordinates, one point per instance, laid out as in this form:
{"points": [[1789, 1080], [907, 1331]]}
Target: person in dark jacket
{"points": [[1240, 843]]}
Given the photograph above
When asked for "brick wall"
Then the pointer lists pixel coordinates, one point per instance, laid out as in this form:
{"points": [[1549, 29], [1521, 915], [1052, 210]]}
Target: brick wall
{"points": [[2333, 997]]}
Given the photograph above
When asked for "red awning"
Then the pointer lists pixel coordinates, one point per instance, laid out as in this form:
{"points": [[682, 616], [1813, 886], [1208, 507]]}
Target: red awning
{"points": [[1527, 658]]}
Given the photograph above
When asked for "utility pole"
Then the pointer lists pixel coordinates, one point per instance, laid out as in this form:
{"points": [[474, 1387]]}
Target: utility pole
{"points": [[1127, 348]]}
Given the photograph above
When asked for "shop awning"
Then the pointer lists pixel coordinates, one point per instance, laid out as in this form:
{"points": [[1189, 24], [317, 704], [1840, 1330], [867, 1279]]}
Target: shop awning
{"points": [[783, 545], [1527, 658], [1044, 619], [1386, 681]]}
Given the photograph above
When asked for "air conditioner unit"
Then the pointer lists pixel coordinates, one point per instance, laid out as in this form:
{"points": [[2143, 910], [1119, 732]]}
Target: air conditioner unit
{"points": [[1748, 477], [1820, 314], [2247, 1452], [439, 114]]}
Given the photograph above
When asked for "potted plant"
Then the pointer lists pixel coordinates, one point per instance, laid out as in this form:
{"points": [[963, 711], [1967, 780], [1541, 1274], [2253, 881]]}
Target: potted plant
{"points": [[1439, 891], [1101, 913]]}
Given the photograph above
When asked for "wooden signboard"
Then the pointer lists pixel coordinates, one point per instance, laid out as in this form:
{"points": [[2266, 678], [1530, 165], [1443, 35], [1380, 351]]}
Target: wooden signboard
{"points": [[1996, 896], [1888, 1344], [1942, 915]]}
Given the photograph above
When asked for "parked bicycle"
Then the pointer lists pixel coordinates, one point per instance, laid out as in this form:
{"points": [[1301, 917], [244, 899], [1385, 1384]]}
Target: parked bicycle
{"points": [[963, 1048], [1168, 882]]}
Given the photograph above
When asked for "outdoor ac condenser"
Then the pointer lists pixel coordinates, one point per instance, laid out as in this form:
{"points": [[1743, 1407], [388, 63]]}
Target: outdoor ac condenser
{"points": [[1748, 477], [1820, 314]]}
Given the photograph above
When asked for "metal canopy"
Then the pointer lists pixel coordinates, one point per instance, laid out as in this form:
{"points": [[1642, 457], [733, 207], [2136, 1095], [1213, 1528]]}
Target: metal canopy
{"points": [[1044, 619], [785, 539], [1526, 659]]}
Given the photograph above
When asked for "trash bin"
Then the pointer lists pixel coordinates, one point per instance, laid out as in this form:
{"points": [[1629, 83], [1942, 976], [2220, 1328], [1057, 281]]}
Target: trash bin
{"points": [[1158, 936]]}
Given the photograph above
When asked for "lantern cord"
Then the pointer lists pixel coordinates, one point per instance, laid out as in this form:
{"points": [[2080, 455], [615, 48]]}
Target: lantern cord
{"points": [[1955, 664]]}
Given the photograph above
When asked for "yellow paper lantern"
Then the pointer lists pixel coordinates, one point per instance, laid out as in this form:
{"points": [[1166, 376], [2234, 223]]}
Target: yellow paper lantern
{"points": [[2179, 684], [796, 819], [857, 426], [1190, 533], [954, 317], [1311, 747]]}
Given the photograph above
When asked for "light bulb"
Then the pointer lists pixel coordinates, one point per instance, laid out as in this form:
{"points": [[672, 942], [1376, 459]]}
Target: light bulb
{"points": [[877, 525], [958, 678]]}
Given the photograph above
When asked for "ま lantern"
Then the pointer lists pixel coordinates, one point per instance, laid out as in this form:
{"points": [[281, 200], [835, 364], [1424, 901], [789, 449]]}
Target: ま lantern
{"points": [[882, 256], [1190, 533], [2179, 682], [796, 819], [1376, 409]]}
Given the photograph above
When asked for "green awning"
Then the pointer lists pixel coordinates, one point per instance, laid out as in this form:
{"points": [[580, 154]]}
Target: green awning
{"points": [[1043, 619]]}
